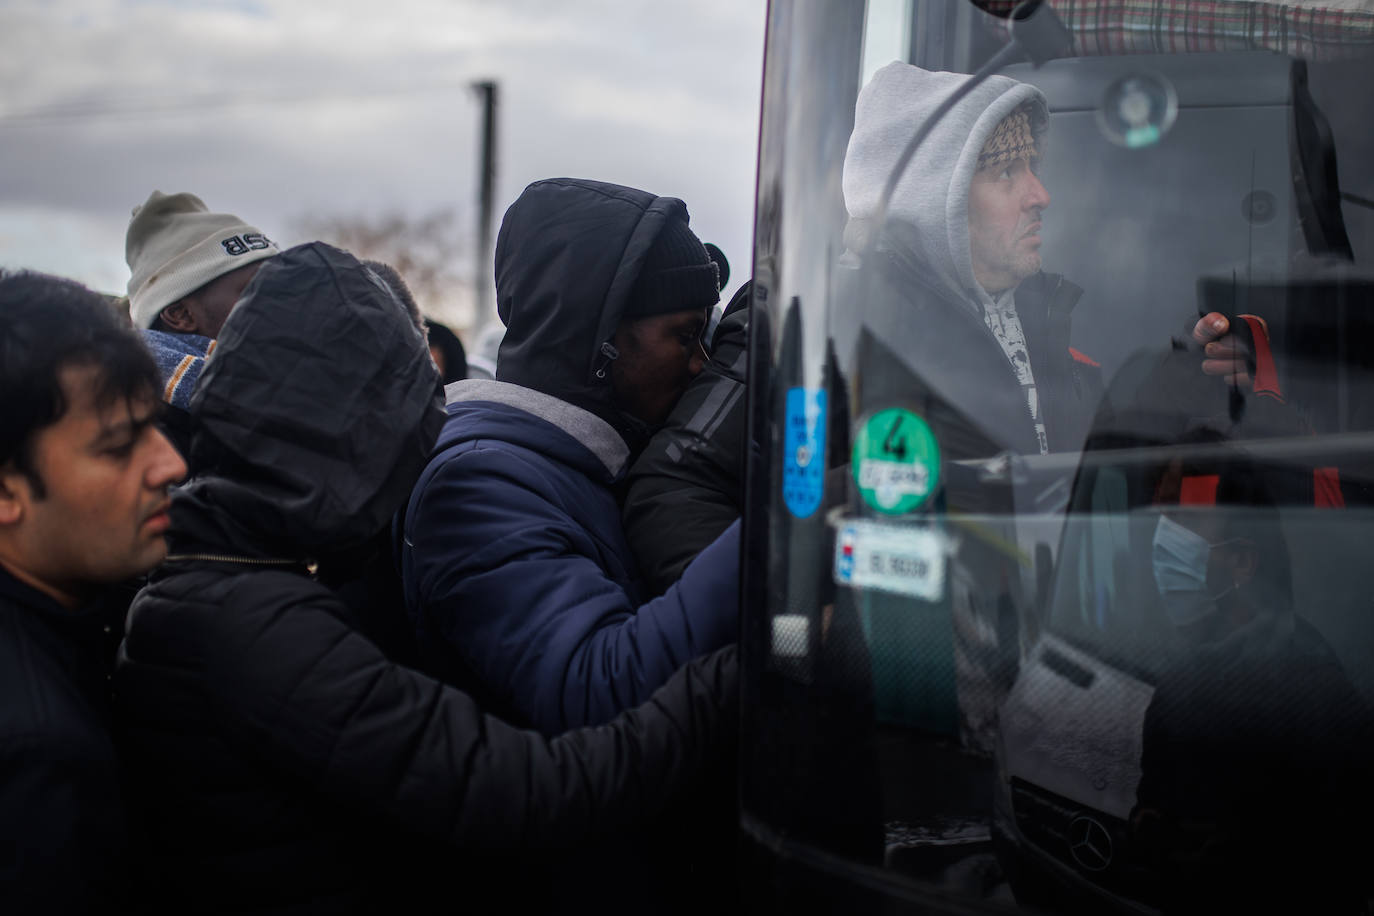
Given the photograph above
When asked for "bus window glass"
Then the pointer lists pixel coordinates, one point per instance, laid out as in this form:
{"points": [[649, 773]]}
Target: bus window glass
{"points": [[1078, 616]]}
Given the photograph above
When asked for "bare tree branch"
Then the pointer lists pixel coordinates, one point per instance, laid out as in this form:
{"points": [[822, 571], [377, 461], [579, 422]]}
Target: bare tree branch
{"points": [[428, 251]]}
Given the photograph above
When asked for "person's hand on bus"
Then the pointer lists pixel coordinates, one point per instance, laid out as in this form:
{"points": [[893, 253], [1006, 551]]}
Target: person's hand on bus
{"points": [[1225, 353]]}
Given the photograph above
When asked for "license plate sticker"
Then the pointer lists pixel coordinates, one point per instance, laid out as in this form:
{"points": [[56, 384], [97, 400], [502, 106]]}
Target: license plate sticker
{"points": [[890, 558]]}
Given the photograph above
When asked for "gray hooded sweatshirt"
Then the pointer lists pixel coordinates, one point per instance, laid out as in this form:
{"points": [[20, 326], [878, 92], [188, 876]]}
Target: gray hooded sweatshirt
{"points": [[928, 215], [927, 219]]}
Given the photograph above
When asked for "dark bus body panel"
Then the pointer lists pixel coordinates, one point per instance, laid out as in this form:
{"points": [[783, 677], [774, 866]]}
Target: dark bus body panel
{"points": [[992, 698]]}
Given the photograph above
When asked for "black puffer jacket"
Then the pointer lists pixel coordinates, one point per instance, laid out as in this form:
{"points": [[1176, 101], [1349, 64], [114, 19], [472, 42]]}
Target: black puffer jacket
{"points": [[282, 761], [688, 484], [939, 359], [567, 258]]}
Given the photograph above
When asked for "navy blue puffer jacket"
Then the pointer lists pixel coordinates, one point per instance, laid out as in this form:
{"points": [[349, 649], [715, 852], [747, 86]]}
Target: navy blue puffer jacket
{"points": [[517, 574]]}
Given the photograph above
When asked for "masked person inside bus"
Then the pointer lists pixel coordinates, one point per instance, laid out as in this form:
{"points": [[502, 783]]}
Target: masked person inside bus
{"points": [[517, 573], [961, 242], [279, 759], [84, 477], [1254, 741]]}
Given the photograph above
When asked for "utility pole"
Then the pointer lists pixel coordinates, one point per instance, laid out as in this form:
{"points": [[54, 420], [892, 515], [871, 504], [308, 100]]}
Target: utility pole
{"points": [[483, 278]]}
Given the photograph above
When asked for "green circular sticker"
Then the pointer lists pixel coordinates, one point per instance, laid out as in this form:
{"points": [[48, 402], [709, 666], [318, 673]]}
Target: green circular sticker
{"points": [[896, 461]]}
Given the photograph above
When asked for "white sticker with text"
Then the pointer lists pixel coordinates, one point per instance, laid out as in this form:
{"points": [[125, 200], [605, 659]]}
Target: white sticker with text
{"points": [[890, 558]]}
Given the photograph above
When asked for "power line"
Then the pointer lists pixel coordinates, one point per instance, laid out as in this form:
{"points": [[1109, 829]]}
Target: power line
{"points": [[205, 103]]}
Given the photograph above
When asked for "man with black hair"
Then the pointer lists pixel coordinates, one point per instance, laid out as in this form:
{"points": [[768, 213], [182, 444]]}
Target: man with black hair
{"points": [[84, 477], [188, 266], [518, 576], [688, 484]]}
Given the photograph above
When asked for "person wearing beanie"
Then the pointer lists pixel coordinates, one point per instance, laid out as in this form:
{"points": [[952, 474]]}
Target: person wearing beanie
{"points": [[952, 301], [952, 298], [518, 577], [279, 758], [188, 267], [960, 241]]}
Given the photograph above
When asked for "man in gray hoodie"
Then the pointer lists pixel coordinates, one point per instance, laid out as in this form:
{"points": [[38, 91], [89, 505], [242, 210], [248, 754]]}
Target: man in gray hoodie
{"points": [[961, 240], [961, 245]]}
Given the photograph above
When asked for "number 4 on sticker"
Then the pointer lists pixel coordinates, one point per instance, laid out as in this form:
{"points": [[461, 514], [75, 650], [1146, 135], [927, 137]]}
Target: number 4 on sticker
{"points": [[892, 445]]}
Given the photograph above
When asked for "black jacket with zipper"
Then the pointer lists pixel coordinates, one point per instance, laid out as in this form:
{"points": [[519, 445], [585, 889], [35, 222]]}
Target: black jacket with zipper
{"points": [[688, 484], [936, 357], [282, 763]]}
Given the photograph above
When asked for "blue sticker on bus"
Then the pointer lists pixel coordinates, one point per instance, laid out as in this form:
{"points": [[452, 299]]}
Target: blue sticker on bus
{"points": [[803, 443]]}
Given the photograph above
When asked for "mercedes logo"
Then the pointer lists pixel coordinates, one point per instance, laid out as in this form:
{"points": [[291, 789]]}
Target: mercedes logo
{"points": [[1090, 844]]}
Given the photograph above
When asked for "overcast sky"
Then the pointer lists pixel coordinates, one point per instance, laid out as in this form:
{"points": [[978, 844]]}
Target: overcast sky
{"points": [[277, 110]]}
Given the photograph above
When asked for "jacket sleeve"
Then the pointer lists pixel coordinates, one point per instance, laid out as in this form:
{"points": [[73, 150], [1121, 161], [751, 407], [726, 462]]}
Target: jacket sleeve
{"points": [[511, 582], [687, 486], [331, 709]]}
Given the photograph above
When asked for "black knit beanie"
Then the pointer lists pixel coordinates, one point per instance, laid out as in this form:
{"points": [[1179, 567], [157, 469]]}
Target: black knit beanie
{"points": [[677, 274]]}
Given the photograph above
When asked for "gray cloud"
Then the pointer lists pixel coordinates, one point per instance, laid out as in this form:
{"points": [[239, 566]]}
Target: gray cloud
{"points": [[273, 109]]}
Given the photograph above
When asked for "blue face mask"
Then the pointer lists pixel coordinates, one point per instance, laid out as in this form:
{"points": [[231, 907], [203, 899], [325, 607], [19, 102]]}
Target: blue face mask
{"points": [[1180, 558]]}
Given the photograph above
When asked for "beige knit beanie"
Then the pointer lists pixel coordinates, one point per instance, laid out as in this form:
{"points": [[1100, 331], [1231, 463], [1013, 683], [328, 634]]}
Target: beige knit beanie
{"points": [[175, 246], [1011, 139]]}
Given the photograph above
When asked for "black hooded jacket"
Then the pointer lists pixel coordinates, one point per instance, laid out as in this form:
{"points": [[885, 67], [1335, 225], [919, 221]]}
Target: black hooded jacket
{"points": [[517, 572], [281, 761], [568, 254], [958, 378]]}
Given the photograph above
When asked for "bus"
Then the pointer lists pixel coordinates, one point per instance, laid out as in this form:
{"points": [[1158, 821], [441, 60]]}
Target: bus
{"points": [[1049, 606]]}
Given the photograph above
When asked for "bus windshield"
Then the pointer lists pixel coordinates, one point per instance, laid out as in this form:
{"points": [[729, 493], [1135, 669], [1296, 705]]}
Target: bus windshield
{"points": [[1063, 451]]}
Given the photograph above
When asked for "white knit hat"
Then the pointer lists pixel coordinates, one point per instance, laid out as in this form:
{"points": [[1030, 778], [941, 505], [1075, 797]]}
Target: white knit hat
{"points": [[175, 246]]}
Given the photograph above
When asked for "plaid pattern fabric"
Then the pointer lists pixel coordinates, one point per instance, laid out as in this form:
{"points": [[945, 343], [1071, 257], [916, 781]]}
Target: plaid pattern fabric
{"points": [[1010, 140], [1301, 28]]}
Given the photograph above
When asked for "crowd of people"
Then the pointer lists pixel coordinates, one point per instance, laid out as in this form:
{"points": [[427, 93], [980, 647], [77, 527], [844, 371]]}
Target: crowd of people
{"points": [[297, 616], [275, 732]]}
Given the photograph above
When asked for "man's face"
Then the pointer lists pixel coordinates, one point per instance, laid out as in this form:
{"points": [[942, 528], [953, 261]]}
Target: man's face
{"points": [[659, 356], [1004, 205], [103, 515], [205, 311]]}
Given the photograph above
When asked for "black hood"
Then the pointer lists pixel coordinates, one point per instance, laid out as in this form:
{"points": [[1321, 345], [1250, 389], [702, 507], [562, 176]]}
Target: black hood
{"points": [[568, 253], [314, 415]]}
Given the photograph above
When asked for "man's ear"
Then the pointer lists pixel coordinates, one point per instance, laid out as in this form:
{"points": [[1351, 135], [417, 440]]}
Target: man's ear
{"points": [[178, 317], [15, 493]]}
